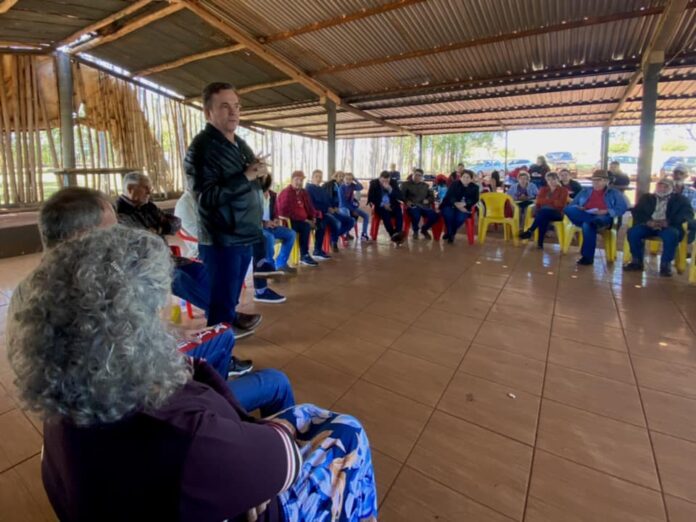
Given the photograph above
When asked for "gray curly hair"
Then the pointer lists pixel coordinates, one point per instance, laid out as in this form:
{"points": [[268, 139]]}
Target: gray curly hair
{"points": [[87, 341]]}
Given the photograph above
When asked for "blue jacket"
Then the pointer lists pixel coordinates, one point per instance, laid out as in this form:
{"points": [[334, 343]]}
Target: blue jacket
{"points": [[319, 196], [615, 200], [346, 195]]}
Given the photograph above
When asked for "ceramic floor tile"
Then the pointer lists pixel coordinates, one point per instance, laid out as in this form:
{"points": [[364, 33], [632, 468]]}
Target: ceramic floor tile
{"points": [[680, 510], [386, 470], [392, 422], [416, 498], [564, 491], [399, 309], [520, 316], [673, 378], [264, 353], [590, 313], [29, 473], [19, 440], [324, 314], [453, 324], [526, 301], [591, 359], [589, 333], [441, 349], [292, 335], [596, 394], [662, 347], [345, 352], [413, 377], [521, 340], [317, 383], [374, 328], [500, 408], [670, 414], [504, 368], [487, 467], [7, 403], [676, 460], [16, 501], [617, 448]]}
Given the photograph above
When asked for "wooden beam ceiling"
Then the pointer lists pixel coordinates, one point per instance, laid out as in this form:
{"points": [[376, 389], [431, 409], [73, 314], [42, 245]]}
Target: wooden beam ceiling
{"points": [[128, 28], [338, 20], [92, 28], [262, 86], [180, 62], [515, 35]]}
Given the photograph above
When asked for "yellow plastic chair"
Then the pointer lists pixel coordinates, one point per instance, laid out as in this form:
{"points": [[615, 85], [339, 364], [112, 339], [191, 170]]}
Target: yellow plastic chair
{"points": [[492, 211], [608, 235], [653, 247], [295, 252], [558, 226], [692, 271]]}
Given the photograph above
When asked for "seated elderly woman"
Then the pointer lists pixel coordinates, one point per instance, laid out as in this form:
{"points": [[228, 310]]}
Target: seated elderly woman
{"points": [[133, 431]]}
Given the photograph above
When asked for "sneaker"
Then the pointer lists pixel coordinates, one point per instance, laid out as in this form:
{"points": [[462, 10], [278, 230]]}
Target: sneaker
{"points": [[349, 237], [445, 237], [415, 235], [666, 270], [633, 267], [247, 321], [426, 234], [239, 367], [398, 238], [266, 269], [240, 333], [334, 248], [308, 261], [288, 270], [585, 261], [365, 237], [320, 256], [525, 235], [269, 296], [450, 240]]}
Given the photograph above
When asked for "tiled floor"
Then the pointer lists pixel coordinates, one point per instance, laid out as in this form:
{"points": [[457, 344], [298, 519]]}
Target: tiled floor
{"points": [[496, 383]]}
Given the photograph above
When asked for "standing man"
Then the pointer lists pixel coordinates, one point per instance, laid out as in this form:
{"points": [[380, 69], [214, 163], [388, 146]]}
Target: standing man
{"points": [[385, 197], [419, 200], [224, 173], [594, 209], [617, 179], [393, 173]]}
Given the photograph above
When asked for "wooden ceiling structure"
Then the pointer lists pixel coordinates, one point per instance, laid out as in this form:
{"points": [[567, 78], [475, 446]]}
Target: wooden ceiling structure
{"points": [[389, 67]]}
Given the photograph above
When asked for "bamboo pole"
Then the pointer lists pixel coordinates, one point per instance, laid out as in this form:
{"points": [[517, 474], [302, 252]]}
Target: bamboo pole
{"points": [[37, 131], [18, 125], [10, 184]]}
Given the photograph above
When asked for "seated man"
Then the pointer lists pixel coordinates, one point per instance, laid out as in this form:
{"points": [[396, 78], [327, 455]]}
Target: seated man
{"points": [[349, 204], [662, 215], [568, 182], [681, 178], [594, 209], [385, 197], [73, 211], [419, 200], [339, 223], [273, 230], [294, 204], [458, 204]]}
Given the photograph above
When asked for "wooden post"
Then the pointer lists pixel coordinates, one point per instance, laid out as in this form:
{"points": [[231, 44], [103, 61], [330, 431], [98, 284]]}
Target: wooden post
{"points": [[331, 137], [506, 155], [420, 151], [65, 97], [605, 149], [648, 112]]}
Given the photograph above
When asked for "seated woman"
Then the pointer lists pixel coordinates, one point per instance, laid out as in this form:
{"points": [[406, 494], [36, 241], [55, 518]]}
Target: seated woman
{"points": [[459, 203], [133, 430], [550, 202], [349, 204]]}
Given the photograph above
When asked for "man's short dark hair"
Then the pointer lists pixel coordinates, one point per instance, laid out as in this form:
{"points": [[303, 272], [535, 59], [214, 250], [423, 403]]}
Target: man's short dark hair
{"points": [[69, 212], [385, 174], [470, 173], [418, 171], [214, 88], [614, 163], [266, 183]]}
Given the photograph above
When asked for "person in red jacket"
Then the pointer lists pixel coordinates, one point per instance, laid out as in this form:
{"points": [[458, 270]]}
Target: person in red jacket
{"points": [[550, 202], [295, 204]]}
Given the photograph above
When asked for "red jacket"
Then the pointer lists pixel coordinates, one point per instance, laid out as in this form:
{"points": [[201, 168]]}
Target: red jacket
{"points": [[557, 199], [295, 204]]}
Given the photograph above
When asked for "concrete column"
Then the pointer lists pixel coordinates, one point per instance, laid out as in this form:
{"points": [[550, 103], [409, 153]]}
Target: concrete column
{"points": [[506, 155], [604, 160], [65, 99], [651, 75], [420, 151], [331, 137]]}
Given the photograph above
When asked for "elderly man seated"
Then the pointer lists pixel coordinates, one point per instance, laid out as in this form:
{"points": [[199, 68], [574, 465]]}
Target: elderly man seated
{"points": [[594, 209], [419, 201], [681, 180], [662, 215], [295, 204]]}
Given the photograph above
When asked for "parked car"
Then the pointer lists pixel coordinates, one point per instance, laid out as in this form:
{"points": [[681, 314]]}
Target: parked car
{"points": [[517, 163], [688, 161], [629, 165], [561, 160], [487, 166]]}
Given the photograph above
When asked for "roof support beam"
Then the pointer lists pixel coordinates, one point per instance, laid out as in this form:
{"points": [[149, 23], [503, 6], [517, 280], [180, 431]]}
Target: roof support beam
{"points": [[264, 86], [665, 31], [339, 20], [128, 28], [132, 8], [189, 59], [516, 35]]}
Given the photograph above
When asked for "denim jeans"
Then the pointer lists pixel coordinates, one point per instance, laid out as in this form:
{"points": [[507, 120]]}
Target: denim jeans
{"points": [[191, 282], [356, 213], [227, 267], [303, 229], [589, 223], [287, 241], [543, 219], [216, 348], [454, 218], [386, 217], [339, 224], [670, 237], [416, 213], [268, 390]]}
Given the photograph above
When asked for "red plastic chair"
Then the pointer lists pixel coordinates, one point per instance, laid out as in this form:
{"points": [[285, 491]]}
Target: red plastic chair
{"points": [[374, 225], [176, 251], [438, 227]]}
